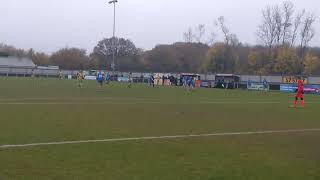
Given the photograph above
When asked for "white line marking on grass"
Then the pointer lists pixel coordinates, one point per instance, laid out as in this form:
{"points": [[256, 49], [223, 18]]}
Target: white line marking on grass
{"points": [[159, 138], [76, 99], [78, 103], [239, 102], [143, 102], [132, 103]]}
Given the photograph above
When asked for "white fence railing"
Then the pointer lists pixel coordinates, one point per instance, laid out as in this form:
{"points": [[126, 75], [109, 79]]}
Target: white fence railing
{"points": [[25, 72]]}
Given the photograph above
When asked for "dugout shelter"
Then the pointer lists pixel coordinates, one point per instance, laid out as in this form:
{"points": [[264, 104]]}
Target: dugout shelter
{"points": [[227, 81]]}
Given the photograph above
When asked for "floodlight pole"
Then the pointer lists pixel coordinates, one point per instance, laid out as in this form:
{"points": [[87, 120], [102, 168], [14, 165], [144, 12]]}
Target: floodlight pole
{"points": [[114, 32]]}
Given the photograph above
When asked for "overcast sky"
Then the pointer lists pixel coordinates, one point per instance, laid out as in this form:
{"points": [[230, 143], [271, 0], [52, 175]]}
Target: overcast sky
{"points": [[47, 25]]}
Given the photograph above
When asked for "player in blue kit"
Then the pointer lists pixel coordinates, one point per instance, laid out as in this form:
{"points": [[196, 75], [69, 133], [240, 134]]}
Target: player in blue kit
{"points": [[100, 80]]}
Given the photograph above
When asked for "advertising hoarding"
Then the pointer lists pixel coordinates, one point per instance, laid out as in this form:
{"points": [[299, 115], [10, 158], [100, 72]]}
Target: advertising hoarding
{"points": [[293, 79], [258, 86], [292, 88]]}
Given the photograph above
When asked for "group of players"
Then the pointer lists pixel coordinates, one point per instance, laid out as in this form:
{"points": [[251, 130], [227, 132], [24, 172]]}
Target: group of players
{"points": [[188, 83], [100, 78]]}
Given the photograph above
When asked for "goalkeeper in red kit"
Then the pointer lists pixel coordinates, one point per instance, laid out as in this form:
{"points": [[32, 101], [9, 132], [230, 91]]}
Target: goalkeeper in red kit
{"points": [[300, 94]]}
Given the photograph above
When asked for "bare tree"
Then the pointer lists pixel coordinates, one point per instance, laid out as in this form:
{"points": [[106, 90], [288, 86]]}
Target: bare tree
{"points": [[234, 40], [188, 36], [282, 17], [200, 32], [288, 11], [211, 39], [225, 30], [267, 31], [296, 26], [307, 33], [229, 38], [277, 16], [280, 26]]}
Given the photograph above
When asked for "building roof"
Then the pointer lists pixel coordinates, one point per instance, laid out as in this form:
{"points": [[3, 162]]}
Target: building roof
{"points": [[10, 61]]}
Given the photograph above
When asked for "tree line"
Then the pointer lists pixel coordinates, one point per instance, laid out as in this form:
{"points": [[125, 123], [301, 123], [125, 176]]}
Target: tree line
{"points": [[284, 37]]}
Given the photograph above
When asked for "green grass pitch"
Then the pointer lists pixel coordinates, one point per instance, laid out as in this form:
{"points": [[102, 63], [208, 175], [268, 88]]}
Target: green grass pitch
{"points": [[49, 110]]}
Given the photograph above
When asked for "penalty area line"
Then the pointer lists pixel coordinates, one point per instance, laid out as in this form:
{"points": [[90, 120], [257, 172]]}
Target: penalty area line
{"points": [[159, 138]]}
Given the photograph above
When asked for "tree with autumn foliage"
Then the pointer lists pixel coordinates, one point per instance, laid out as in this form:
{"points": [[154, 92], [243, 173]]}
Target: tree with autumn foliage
{"points": [[312, 64], [220, 59], [70, 58], [287, 61]]}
